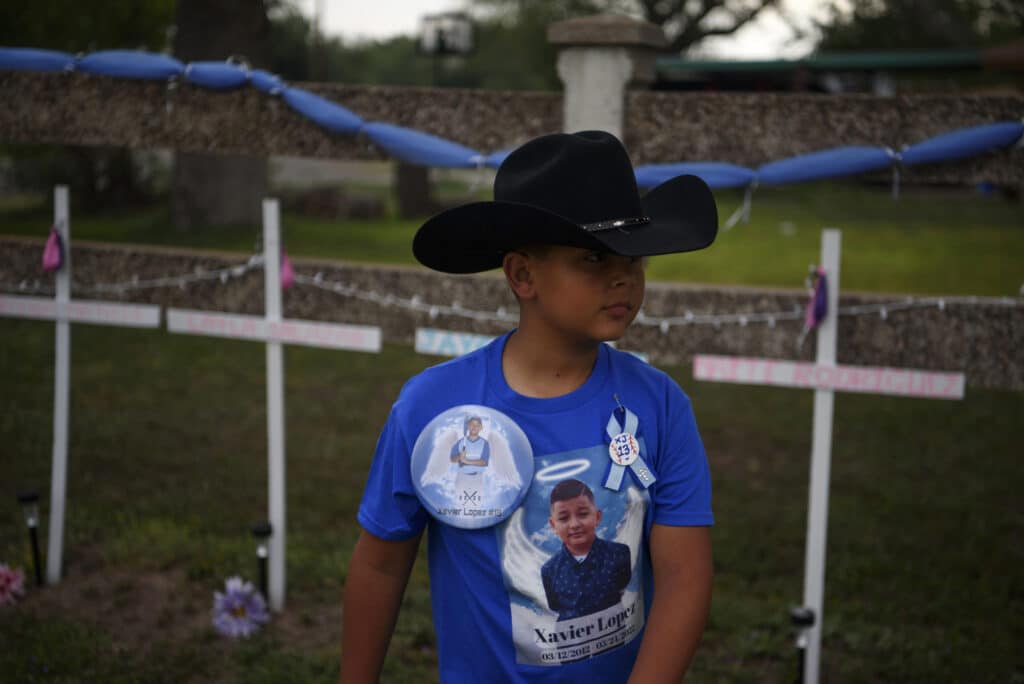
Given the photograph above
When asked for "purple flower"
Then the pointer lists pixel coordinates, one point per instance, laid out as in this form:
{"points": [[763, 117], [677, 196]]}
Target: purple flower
{"points": [[240, 610], [12, 584]]}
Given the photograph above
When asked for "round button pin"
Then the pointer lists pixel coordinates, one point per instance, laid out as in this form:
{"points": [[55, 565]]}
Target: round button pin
{"points": [[623, 449], [471, 466]]}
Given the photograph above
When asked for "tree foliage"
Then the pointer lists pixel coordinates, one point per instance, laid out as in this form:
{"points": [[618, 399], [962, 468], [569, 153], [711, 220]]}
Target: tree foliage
{"points": [[920, 24], [685, 22], [512, 50], [220, 190], [510, 54], [98, 176], [84, 27]]}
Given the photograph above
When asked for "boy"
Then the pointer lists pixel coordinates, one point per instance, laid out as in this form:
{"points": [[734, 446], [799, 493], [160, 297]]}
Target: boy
{"points": [[588, 574], [472, 452], [569, 229]]}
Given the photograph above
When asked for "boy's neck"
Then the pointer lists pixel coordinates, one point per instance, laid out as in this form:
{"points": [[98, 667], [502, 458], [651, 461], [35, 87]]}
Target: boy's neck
{"points": [[544, 366]]}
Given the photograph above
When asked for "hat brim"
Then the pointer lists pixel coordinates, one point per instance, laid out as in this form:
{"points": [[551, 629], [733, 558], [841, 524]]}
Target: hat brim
{"points": [[475, 237]]}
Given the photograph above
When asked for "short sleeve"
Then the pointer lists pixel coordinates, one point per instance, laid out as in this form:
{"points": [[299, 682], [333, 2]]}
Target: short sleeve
{"points": [[389, 508], [682, 494]]}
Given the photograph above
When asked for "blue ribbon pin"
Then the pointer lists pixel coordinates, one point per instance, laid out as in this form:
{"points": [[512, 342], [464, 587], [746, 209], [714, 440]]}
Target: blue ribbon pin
{"points": [[624, 452]]}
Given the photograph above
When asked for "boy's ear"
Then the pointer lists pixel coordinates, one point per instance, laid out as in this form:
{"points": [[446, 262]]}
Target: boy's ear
{"points": [[517, 272]]}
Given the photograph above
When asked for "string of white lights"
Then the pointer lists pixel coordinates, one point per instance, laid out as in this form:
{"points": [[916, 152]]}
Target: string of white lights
{"points": [[254, 262], [882, 309], [415, 303], [198, 275]]}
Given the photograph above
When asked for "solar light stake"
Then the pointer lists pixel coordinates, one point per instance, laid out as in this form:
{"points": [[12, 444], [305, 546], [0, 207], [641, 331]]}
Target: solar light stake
{"points": [[262, 531], [30, 506], [802, 618]]}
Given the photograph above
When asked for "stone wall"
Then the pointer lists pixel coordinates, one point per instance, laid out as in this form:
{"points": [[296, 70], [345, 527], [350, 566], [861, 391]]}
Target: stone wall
{"points": [[81, 109], [984, 339], [750, 129], [745, 129]]}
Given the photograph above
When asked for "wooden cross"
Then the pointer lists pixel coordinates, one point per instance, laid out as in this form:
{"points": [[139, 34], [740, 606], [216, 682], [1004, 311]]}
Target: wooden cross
{"points": [[826, 378], [274, 331], [65, 310]]}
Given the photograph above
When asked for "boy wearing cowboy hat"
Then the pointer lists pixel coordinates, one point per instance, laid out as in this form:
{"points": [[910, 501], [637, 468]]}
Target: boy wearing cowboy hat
{"points": [[570, 231]]}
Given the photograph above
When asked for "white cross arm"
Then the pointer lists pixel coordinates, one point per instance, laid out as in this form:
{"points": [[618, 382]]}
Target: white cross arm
{"points": [[861, 379], [257, 328], [80, 311]]}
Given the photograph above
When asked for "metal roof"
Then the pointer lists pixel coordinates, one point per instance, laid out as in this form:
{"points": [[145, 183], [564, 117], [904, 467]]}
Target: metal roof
{"points": [[833, 61]]}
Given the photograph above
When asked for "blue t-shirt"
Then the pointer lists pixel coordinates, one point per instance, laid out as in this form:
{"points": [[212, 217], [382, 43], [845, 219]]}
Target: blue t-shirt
{"points": [[491, 612]]}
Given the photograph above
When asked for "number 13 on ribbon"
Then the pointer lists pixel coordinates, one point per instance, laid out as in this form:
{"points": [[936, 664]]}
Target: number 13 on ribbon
{"points": [[624, 452]]}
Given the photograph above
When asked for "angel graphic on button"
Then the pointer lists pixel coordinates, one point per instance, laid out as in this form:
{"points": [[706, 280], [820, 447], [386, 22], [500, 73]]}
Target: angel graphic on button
{"points": [[471, 466]]}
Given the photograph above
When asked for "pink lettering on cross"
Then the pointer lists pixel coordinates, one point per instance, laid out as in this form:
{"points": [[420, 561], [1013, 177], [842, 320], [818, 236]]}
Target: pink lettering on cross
{"points": [[802, 375]]}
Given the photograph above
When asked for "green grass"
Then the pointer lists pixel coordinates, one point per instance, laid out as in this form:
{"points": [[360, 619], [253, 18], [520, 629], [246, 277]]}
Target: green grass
{"points": [[168, 470], [930, 241]]}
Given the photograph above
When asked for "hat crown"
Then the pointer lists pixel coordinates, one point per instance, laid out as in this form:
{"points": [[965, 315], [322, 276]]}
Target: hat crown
{"points": [[584, 177]]}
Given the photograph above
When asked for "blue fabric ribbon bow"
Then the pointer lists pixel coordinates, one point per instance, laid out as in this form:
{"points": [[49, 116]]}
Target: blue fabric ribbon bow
{"points": [[624, 452]]}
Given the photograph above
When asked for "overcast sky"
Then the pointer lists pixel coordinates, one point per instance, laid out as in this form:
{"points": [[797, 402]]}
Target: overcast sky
{"points": [[765, 38]]}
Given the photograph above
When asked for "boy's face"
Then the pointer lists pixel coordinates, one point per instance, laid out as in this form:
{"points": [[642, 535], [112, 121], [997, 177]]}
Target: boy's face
{"points": [[473, 429], [575, 522], [585, 294]]}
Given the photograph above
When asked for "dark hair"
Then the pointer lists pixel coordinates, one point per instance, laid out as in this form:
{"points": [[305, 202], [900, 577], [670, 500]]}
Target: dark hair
{"points": [[570, 489]]}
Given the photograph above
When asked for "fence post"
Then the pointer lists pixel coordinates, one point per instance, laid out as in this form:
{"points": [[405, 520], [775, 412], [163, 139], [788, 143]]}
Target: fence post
{"points": [[600, 56]]}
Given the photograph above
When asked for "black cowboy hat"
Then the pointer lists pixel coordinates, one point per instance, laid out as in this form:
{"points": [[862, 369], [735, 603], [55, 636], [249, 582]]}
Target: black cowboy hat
{"points": [[574, 189]]}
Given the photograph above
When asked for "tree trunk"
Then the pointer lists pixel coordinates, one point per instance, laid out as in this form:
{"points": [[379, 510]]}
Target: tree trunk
{"points": [[412, 187], [220, 190]]}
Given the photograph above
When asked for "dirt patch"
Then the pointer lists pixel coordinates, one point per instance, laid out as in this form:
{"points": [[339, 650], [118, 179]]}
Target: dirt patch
{"points": [[309, 624], [132, 606], [138, 608]]}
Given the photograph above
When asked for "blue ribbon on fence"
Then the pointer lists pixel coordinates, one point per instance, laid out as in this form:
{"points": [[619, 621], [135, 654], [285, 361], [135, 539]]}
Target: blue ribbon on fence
{"points": [[32, 59], [422, 148], [838, 161], [715, 174], [965, 142], [325, 113], [266, 81], [130, 64], [216, 75]]}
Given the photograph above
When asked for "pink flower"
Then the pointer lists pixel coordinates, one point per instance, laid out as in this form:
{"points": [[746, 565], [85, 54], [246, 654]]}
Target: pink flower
{"points": [[12, 584]]}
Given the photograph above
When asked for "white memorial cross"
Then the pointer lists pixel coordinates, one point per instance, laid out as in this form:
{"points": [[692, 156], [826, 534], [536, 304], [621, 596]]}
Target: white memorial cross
{"points": [[65, 310], [826, 378], [274, 331]]}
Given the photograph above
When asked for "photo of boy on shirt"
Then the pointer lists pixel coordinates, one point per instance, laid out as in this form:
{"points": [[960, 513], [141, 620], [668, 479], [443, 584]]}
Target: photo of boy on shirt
{"points": [[588, 574], [472, 453]]}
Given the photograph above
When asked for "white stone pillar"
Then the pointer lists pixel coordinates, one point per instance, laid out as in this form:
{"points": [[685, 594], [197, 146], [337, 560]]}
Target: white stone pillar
{"points": [[600, 58]]}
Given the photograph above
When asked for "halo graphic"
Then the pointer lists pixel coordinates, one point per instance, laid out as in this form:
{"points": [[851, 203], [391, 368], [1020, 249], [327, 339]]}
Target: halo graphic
{"points": [[563, 470]]}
